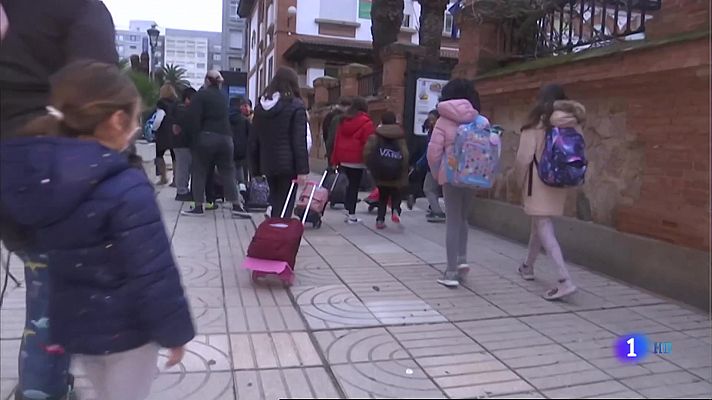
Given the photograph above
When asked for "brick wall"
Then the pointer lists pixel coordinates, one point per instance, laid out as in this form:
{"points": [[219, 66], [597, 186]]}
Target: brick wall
{"points": [[648, 137]]}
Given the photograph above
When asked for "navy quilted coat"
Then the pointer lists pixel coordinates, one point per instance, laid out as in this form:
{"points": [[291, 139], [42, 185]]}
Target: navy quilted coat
{"points": [[114, 284]]}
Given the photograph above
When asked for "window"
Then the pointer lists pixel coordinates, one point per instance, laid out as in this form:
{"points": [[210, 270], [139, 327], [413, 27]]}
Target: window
{"points": [[236, 39], [270, 15], [120, 49], [200, 65], [332, 71], [234, 63], [449, 21], [200, 54], [133, 38], [217, 57], [190, 54], [270, 68], [170, 53], [345, 11], [233, 12], [132, 47], [406, 21], [254, 39]]}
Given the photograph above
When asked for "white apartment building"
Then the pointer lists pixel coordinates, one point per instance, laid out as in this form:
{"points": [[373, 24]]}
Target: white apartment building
{"points": [[323, 36], [195, 51]]}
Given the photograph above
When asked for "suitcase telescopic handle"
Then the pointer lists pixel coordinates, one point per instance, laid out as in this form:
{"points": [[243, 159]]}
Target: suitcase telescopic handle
{"points": [[336, 178], [309, 203], [289, 196]]}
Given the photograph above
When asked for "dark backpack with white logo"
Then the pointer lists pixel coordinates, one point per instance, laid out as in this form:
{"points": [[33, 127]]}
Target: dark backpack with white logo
{"points": [[386, 161]]}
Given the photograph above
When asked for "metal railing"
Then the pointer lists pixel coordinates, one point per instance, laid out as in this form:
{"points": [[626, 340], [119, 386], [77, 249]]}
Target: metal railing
{"points": [[334, 94], [567, 26], [370, 84]]}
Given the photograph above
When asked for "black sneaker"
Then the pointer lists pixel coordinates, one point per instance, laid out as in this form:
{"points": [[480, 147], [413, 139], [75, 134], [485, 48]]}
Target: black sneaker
{"points": [[240, 212], [410, 202], [184, 197], [196, 211]]}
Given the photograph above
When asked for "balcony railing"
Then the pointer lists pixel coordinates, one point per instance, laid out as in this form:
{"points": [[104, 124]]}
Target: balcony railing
{"points": [[569, 26], [334, 94], [370, 84]]}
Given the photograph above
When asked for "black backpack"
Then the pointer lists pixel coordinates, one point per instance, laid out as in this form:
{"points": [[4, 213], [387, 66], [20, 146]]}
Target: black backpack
{"points": [[386, 161]]}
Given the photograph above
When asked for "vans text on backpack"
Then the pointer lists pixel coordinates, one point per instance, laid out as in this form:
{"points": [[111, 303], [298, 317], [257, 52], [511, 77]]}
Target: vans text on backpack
{"points": [[563, 162], [385, 163]]}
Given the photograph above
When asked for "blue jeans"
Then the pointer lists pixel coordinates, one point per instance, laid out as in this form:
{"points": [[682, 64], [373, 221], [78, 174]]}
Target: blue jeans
{"points": [[44, 367]]}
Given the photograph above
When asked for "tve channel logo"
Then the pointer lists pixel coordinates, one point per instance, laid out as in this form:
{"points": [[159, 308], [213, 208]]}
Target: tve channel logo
{"points": [[635, 347]]}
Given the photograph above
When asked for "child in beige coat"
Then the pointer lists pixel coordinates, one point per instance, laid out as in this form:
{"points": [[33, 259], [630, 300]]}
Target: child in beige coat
{"points": [[544, 202]]}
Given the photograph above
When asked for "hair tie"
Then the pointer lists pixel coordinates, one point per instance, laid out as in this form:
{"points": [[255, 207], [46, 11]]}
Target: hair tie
{"points": [[55, 113]]}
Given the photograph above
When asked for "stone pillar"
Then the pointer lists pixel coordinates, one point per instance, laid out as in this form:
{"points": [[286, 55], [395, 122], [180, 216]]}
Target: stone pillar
{"points": [[349, 78], [321, 89], [478, 46], [678, 16]]}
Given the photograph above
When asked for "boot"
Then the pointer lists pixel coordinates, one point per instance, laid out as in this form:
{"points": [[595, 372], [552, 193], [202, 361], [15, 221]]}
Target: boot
{"points": [[162, 171]]}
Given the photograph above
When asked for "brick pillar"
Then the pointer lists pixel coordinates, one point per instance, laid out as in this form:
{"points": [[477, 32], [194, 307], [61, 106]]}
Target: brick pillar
{"points": [[478, 46], [395, 64], [321, 89], [678, 16], [349, 78]]}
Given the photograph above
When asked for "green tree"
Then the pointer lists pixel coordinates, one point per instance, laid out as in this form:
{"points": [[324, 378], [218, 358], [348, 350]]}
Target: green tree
{"points": [[175, 75], [124, 64], [147, 88]]}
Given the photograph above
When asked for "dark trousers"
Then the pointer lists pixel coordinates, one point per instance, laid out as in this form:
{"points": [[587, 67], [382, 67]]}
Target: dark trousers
{"points": [[43, 368], [354, 175], [278, 190], [213, 149], [386, 193]]}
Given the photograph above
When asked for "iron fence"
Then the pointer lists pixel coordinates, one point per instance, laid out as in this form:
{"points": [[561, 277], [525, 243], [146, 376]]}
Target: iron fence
{"points": [[566, 26], [370, 84]]}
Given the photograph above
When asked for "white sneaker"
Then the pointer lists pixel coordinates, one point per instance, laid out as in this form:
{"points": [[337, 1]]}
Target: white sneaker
{"points": [[462, 271], [561, 290], [268, 212], [451, 283], [352, 220]]}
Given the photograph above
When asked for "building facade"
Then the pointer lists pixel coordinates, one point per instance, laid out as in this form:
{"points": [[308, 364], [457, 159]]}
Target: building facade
{"points": [[233, 37], [323, 36], [195, 51], [134, 41]]}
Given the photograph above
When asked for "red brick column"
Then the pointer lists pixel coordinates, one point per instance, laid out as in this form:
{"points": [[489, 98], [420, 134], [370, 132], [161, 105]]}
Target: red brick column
{"points": [[478, 46], [349, 78], [321, 89]]}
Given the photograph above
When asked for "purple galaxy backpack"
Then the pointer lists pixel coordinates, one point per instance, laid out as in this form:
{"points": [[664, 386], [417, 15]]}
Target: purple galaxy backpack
{"points": [[563, 162]]}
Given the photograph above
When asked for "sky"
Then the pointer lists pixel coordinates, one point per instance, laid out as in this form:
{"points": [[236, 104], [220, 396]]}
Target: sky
{"points": [[203, 15]]}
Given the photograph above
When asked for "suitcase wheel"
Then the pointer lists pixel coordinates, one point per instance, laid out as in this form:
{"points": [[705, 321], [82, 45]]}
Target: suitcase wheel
{"points": [[255, 277]]}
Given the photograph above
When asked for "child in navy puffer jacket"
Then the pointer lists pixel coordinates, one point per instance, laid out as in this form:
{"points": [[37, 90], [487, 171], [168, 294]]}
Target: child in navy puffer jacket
{"points": [[115, 293]]}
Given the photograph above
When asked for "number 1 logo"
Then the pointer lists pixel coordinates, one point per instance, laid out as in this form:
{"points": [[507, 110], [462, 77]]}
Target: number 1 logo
{"points": [[631, 348]]}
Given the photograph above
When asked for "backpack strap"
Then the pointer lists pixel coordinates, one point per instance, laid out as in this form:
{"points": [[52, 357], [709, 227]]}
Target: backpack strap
{"points": [[531, 177]]}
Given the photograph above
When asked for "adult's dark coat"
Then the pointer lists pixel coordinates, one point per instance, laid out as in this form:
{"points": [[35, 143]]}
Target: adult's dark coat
{"points": [[278, 143]]}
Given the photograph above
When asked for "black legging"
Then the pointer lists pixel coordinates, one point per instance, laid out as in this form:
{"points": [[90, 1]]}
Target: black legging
{"points": [[278, 190], [388, 193], [355, 175]]}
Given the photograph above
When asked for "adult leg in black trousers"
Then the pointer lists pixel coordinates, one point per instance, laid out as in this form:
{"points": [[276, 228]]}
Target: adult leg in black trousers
{"points": [[278, 190], [396, 198], [224, 159], [354, 175], [199, 170], [210, 195]]}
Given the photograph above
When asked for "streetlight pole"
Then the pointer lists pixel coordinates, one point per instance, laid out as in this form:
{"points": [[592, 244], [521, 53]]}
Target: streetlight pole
{"points": [[153, 34]]}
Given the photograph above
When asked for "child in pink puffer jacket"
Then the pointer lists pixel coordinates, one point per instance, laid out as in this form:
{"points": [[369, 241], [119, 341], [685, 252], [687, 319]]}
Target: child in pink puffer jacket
{"points": [[459, 104]]}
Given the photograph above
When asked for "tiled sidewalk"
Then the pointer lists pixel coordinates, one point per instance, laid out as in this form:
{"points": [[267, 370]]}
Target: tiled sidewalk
{"points": [[366, 319]]}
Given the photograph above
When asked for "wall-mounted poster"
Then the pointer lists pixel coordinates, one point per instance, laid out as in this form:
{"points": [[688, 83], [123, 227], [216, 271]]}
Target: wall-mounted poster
{"points": [[364, 9], [427, 94]]}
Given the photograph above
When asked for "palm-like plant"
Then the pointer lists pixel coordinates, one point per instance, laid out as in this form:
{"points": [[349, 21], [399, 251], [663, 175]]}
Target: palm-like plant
{"points": [[147, 88], [175, 75]]}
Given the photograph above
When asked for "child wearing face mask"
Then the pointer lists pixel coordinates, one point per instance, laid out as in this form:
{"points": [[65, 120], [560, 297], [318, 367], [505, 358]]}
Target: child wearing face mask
{"points": [[115, 294]]}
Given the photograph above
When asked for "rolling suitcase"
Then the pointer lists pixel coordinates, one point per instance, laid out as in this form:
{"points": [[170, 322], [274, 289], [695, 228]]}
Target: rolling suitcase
{"points": [[320, 199], [275, 244]]}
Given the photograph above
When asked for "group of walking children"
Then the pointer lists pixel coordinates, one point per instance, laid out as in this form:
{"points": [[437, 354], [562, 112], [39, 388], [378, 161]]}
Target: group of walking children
{"points": [[463, 155]]}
